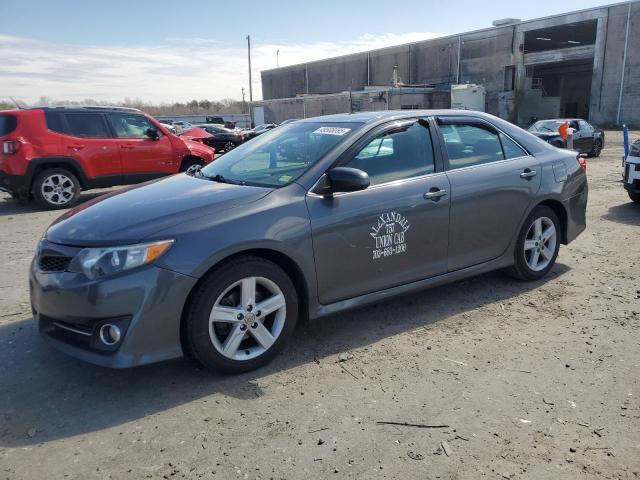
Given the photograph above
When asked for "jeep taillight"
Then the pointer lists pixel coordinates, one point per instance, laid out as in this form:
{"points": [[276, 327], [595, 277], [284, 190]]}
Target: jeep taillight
{"points": [[9, 147], [582, 161]]}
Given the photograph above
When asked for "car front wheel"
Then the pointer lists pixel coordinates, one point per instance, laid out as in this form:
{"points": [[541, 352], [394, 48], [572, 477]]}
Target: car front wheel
{"points": [[634, 196], [241, 315], [538, 245], [56, 188], [228, 146]]}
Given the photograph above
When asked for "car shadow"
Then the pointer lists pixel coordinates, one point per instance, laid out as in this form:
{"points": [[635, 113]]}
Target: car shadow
{"points": [[10, 206], [46, 395], [627, 214]]}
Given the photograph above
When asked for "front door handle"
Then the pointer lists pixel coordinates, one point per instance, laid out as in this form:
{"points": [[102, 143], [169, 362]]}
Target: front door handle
{"points": [[128, 147], [76, 147], [528, 173], [434, 194]]}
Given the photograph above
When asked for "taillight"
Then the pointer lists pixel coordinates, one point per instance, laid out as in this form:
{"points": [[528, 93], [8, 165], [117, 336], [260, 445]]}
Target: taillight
{"points": [[9, 147], [582, 161]]}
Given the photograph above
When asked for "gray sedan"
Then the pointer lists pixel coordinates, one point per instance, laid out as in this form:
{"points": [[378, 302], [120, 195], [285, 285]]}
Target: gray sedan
{"points": [[309, 219]]}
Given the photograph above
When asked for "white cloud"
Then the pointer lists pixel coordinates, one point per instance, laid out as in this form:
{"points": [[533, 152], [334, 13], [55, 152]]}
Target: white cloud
{"points": [[180, 69]]}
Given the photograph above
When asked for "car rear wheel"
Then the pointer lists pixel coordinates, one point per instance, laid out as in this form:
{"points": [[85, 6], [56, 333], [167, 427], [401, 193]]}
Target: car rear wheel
{"points": [[538, 245], [228, 146], [56, 188], [634, 196], [241, 316], [597, 149]]}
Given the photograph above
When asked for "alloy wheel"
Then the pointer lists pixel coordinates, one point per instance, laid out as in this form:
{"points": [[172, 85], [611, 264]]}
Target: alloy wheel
{"points": [[57, 189], [540, 244], [247, 318], [229, 146]]}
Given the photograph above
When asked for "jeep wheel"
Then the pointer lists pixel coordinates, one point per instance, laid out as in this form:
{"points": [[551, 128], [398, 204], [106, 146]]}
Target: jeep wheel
{"points": [[241, 316], [56, 188], [538, 245], [187, 163], [634, 196]]}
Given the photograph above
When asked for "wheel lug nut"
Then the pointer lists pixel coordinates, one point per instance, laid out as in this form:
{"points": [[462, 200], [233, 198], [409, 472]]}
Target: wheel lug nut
{"points": [[240, 316], [249, 308], [243, 327], [258, 313], [254, 325]]}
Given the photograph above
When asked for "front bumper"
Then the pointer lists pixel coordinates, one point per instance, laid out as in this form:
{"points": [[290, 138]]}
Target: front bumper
{"points": [[146, 303]]}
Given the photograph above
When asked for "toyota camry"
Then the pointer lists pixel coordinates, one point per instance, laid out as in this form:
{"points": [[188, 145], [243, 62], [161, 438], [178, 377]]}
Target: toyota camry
{"points": [[309, 219]]}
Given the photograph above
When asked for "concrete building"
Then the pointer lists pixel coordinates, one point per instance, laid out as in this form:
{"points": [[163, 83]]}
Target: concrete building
{"points": [[579, 64]]}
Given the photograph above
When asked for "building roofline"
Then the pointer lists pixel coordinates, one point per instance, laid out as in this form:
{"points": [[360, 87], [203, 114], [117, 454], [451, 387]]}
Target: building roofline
{"points": [[452, 36]]}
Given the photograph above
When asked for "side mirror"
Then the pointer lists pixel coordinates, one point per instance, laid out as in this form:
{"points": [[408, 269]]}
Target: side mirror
{"points": [[153, 133], [342, 179]]}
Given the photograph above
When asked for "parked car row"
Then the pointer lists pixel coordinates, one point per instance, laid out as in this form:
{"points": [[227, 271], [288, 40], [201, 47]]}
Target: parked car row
{"points": [[51, 154]]}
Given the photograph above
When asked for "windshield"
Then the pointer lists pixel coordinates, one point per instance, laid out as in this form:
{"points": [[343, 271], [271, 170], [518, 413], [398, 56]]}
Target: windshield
{"points": [[279, 156], [546, 126]]}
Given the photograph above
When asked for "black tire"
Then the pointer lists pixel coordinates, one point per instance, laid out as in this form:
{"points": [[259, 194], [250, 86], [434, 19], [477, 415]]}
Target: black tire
{"points": [[42, 186], [521, 269], [187, 163], [597, 149], [634, 196], [197, 342]]}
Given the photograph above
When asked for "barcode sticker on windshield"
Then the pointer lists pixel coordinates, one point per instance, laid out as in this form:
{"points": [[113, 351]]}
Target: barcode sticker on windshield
{"points": [[332, 131]]}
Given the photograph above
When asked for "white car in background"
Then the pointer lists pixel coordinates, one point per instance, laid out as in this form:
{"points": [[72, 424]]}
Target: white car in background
{"points": [[631, 174]]}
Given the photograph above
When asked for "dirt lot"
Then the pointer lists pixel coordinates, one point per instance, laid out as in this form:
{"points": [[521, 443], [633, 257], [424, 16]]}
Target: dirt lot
{"points": [[529, 380]]}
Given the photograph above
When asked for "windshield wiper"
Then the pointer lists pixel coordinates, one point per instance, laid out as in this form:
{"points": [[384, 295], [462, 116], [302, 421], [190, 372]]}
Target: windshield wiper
{"points": [[219, 178]]}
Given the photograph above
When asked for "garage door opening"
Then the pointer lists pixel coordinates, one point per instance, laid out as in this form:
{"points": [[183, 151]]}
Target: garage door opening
{"points": [[568, 82]]}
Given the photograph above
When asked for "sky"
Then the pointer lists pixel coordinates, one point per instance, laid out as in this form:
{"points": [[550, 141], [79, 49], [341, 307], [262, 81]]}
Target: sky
{"points": [[174, 51]]}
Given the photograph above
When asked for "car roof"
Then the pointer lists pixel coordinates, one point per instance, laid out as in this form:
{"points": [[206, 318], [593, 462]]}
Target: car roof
{"points": [[562, 120], [370, 117], [84, 108]]}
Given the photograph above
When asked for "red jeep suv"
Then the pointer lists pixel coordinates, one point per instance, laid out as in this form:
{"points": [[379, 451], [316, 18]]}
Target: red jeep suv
{"points": [[53, 153]]}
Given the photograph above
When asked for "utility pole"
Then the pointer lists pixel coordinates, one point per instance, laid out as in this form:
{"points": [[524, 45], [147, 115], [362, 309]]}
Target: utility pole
{"points": [[278, 58], [243, 100], [250, 86]]}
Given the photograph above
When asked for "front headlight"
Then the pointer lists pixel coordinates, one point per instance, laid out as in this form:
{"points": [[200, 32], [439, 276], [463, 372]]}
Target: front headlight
{"points": [[103, 261]]}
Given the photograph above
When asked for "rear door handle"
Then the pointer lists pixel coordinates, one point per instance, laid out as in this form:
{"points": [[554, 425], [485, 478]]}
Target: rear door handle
{"points": [[528, 173], [76, 147], [434, 194], [128, 147]]}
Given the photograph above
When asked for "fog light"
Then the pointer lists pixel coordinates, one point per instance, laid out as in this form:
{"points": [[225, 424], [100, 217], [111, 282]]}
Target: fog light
{"points": [[109, 334]]}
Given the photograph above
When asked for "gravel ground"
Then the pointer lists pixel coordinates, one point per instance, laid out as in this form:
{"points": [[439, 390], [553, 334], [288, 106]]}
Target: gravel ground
{"points": [[522, 380]]}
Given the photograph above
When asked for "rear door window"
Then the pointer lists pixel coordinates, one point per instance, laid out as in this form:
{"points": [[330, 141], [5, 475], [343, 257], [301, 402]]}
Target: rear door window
{"points": [[468, 145], [8, 124], [87, 125]]}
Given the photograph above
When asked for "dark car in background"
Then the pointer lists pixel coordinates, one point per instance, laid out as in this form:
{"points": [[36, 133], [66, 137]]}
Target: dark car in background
{"points": [[259, 130], [312, 218], [586, 137], [223, 139]]}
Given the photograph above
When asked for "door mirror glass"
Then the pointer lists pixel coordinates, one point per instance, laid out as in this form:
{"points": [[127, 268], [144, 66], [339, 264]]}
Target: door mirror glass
{"points": [[153, 133], [342, 179]]}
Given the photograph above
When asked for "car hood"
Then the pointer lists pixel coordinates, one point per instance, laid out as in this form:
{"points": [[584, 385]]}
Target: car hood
{"points": [[135, 213], [545, 135], [199, 149]]}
